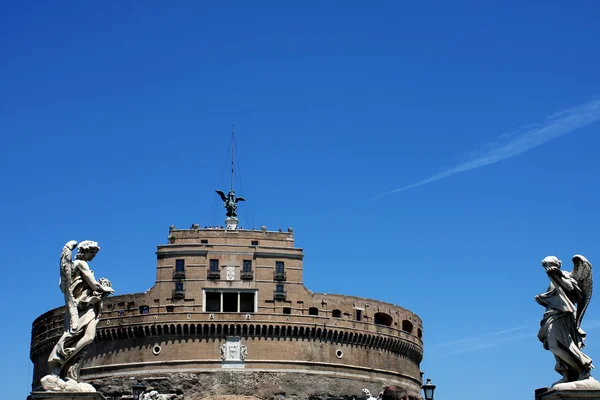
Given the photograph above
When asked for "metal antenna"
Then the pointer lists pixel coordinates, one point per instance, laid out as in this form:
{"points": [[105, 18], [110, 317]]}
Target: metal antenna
{"points": [[232, 149]]}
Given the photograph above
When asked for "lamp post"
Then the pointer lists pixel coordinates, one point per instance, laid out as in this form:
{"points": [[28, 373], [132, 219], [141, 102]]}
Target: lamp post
{"points": [[138, 390], [428, 389]]}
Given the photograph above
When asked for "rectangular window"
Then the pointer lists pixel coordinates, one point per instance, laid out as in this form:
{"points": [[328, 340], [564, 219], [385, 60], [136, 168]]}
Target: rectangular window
{"points": [[279, 288], [279, 267], [179, 286], [287, 310], [247, 302], [213, 301], [179, 265], [214, 265], [230, 301], [170, 308], [247, 266], [144, 310], [254, 243], [204, 241], [358, 315]]}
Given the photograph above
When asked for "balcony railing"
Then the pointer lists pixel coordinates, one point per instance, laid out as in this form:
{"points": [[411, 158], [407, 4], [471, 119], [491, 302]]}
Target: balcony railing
{"points": [[246, 275], [178, 294], [213, 274], [279, 295], [178, 274], [279, 276]]}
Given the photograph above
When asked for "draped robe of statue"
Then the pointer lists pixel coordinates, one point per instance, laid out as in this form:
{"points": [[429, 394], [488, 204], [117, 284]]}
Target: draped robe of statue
{"points": [[559, 331]]}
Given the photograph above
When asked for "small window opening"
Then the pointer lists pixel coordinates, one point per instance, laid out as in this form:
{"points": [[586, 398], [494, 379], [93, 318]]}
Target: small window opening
{"points": [[359, 315], [247, 302], [144, 310], [213, 301], [179, 265], [179, 286], [254, 243], [407, 326], [170, 308], [204, 241], [214, 265], [287, 310], [279, 267], [279, 288], [230, 302], [247, 266], [336, 314], [383, 319], [313, 311]]}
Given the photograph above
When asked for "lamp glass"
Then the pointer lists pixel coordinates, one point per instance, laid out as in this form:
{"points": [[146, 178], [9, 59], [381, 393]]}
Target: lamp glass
{"points": [[428, 389]]}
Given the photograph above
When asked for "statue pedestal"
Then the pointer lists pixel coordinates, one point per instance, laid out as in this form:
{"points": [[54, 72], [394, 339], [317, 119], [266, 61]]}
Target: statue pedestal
{"points": [[66, 396], [567, 394], [231, 223]]}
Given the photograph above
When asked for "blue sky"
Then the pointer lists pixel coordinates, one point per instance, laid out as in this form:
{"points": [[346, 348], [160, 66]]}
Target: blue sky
{"points": [[426, 154]]}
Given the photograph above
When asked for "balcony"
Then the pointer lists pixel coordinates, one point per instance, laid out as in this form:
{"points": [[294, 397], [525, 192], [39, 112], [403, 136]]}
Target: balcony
{"points": [[213, 274], [279, 295], [279, 276], [178, 274], [178, 294], [246, 275]]}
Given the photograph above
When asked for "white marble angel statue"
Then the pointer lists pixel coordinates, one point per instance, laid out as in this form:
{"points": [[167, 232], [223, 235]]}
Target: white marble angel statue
{"points": [[560, 330], [83, 304]]}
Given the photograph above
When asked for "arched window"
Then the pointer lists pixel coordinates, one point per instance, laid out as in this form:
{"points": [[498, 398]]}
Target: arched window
{"points": [[313, 311], [383, 319], [407, 326], [336, 314]]}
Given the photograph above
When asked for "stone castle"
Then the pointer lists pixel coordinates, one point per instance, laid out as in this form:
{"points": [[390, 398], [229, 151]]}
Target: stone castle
{"points": [[229, 315]]}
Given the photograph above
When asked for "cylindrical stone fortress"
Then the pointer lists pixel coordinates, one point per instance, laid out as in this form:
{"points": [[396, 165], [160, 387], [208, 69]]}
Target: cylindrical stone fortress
{"points": [[229, 315]]}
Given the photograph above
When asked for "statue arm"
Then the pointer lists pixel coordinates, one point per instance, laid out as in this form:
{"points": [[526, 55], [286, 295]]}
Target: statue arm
{"points": [[563, 280], [88, 277]]}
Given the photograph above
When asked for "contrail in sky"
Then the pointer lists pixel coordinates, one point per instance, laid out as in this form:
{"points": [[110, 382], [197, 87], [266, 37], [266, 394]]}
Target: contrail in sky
{"points": [[526, 138], [498, 338], [483, 341]]}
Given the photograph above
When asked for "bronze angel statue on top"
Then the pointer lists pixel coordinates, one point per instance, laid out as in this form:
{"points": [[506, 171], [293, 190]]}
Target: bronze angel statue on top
{"points": [[230, 202], [83, 303], [560, 331]]}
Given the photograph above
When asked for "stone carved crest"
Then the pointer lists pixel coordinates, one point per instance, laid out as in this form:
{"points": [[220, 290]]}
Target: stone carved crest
{"points": [[233, 351], [231, 273]]}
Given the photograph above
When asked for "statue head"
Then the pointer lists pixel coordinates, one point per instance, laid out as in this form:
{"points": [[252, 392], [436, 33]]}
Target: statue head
{"points": [[551, 261], [87, 250], [394, 393], [231, 193]]}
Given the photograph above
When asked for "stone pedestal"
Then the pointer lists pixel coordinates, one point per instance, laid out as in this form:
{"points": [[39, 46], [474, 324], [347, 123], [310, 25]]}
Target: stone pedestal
{"points": [[66, 396], [231, 223], [574, 394]]}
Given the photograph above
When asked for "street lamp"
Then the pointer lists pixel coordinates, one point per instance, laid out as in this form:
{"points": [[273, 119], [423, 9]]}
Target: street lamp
{"points": [[428, 389], [138, 390]]}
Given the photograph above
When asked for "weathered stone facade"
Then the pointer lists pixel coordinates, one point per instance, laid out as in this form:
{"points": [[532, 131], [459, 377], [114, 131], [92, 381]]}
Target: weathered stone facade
{"points": [[214, 285]]}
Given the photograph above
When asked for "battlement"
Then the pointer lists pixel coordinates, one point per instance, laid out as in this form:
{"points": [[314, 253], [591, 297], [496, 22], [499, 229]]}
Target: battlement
{"points": [[220, 235]]}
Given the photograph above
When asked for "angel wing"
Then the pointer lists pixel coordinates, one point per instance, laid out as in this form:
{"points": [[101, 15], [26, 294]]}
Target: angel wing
{"points": [[239, 199], [582, 273], [223, 197], [66, 271]]}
